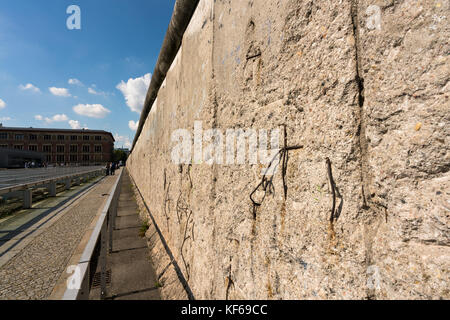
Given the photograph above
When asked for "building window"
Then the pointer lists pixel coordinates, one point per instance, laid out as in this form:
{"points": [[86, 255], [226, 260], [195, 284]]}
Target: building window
{"points": [[18, 147], [60, 137], [74, 148], [48, 158], [98, 149], [60, 149], [19, 136], [98, 138], [74, 138], [4, 136], [33, 136], [86, 158], [86, 138], [86, 148], [47, 148], [33, 147], [60, 158], [47, 137], [73, 158]]}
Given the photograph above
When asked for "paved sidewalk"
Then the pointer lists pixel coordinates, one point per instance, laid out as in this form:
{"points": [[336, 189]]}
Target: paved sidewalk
{"points": [[34, 270], [132, 274]]}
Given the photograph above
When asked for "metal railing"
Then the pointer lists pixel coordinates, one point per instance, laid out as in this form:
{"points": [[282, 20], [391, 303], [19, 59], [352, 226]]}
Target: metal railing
{"points": [[25, 190], [96, 250]]}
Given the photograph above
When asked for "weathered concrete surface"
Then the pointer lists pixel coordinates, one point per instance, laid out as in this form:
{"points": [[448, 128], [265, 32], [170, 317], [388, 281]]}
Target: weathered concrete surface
{"points": [[372, 100], [406, 72]]}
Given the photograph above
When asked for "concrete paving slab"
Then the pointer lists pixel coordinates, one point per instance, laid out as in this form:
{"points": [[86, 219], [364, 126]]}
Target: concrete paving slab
{"points": [[127, 222], [125, 211], [127, 205], [125, 233], [125, 281], [128, 244], [130, 213]]}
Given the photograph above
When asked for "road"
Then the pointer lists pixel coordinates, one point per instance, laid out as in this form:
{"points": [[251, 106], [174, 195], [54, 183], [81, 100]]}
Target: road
{"points": [[11, 178]]}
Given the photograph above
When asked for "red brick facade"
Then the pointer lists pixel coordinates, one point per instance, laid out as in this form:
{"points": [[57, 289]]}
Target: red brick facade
{"points": [[61, 145]]}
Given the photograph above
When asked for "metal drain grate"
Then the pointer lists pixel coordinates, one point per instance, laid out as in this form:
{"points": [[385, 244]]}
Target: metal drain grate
{"points": [[96, 282]]}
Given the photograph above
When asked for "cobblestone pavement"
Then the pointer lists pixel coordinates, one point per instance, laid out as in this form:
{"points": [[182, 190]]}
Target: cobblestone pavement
{"points": [[34, 271]]}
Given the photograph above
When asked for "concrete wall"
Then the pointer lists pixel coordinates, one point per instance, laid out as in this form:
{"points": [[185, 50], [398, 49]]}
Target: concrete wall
{"points": [[371, 95]]}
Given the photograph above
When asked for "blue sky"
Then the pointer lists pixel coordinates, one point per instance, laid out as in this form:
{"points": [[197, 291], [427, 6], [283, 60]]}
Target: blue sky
{"points": [[95, 77]]}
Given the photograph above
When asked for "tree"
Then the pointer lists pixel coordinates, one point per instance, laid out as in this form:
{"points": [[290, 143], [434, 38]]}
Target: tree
{"points": [[120, 155]]}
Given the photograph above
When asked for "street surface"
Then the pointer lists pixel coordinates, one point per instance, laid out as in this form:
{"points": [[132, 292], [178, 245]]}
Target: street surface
{"points": [[13, 177]]}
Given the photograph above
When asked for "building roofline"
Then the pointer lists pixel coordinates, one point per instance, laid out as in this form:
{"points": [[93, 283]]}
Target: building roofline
{"points": [[56, 130]]}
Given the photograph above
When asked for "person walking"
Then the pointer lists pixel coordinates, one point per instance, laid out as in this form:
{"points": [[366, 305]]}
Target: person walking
{"points": [[108, 167], [113, 168]]}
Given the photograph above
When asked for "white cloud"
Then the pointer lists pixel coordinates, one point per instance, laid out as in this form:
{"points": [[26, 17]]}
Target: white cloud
{"points": [[93, 91], [122, 141], [91, 110], [60, 92], [2, 104], [5, 119], [74, 124], [29, 87], [59, 118], [133, 125], [135, 91], [55, 118], [75, 82]]}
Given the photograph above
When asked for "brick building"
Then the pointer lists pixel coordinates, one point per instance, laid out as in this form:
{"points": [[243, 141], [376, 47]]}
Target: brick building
{"points": [[75, 147]]}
